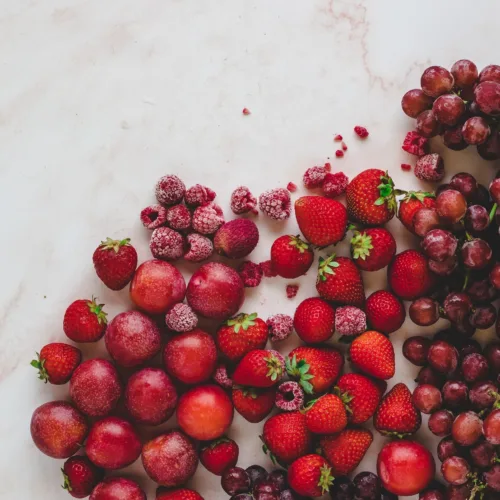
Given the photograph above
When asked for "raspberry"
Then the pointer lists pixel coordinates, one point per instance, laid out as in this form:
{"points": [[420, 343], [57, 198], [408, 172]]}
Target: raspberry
{"points": [[328, 167], [179, 217], [338, 138], [429, 168], [276, 203], [291, 187], [291, 291], [344, 146], [200, 248], [315, 176], [246, 111], [181, 318], [154, 216], [221, 376], [361, 132], [267, 269], [350, 320], [405, 166], [415, 144], [280, 327], [339, 153], [199, 195], [250, 273], [208, 218], [243, 201], [170, 190], [166, 244], [335, 184], [290, 396]]}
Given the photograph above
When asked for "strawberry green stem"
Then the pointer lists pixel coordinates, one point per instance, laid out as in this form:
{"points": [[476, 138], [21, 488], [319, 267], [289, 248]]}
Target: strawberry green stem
{"points": [[115, 245]]}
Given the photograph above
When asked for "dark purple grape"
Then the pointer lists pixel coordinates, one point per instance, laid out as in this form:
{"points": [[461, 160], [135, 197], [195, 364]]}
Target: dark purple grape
{"points": [[467, 428], [444, 268], [495, 190], [491, 427], [447, 448], [487, 96], [441, 422], [474, 108], [455, 394], [465, 73], [428, 124], [279, 478], [443, 357], [477, 219], [457, 306], [235, 480], [242, 496], [462, 492], [495, 276], [428, 376], [289, 495], [448, 109], [490, 73], [484, 317], [465, 328], [476, 254], [439, 245], [342, 489], [465, 184], [490, 150], [455, 470], [475, 368], [483, 196], [415, 101], [476, 131], [387, 495], [451, 206], [469, 346], [492, 354], [424, 311], [482, 454], [256, 473], [416, 349], [451, 336], [480, 291], [431, 495], [492, 478], [425, 220], [367, 486], [265, 489], [436, 81], [427, 398], [453, 138]]}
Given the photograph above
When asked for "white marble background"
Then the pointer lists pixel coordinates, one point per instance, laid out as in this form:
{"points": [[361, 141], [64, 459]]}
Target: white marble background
{"points": [[99, 99]]}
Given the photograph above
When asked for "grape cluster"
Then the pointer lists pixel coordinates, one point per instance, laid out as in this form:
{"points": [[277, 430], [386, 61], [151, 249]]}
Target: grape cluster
{"points": [[458, 388], [462, 105], [364, 486]]}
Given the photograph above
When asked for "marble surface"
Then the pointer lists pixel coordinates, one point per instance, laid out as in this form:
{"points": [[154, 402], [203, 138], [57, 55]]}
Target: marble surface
{"points": [[99, 99]]}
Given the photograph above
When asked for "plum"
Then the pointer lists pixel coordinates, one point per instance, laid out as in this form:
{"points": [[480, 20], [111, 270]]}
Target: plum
{"points": [[118, 488]]}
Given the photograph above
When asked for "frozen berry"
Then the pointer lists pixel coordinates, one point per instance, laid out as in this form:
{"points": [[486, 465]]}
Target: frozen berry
{"points": [[405, 166], [208, 218], [280, 327], [291, 187], [179, 217], [243, 201], [199, 195], [315, 176], [338, 138], [430, 168], [291, 291], [166, 244], [350, 320], [290, 396], [339, 153], [170, 190], [335, 184], [415, 144], [250, 273], [267, 269], [181, 318], [222, 377], [276, 203], [361, 132], [200, 247], [154, 216]]}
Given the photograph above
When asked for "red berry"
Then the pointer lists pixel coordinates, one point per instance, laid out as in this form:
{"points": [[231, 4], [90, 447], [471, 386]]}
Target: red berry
{"points": [[154, 216], [85, 321], [80, 476], [291, 291], [385, 313], [57, 362], [243, 201], [339, 153], [219, 455], [276, 203], [246, 111], [314, 320], [170, 190], [291, 257], [199, 195], [361, 132]]}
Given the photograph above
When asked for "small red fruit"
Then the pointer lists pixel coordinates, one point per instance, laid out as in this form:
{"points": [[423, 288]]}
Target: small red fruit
{"points": [[58, 429], [80, 476], [310, 476], [314, 320], [115, 262], [361, 132], [259, 368], [254, 404], [326, 415], [411, 204], [116, 488], [219, 456], [85, 321], [182, 494], [373, 354], [405, 467], [237, 238], [57, 362], [205, 412], [291, 257], [373, 249], [384, 312]]}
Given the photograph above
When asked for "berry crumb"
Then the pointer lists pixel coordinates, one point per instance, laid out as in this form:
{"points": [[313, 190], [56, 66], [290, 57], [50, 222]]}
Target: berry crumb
{"points": [[415, 144], [291, 187], [267, 269], [291, 291], [344, 146], [246, 111], [339, 153], [361, 132], [338, 138], [405, 166], [250, 273]]}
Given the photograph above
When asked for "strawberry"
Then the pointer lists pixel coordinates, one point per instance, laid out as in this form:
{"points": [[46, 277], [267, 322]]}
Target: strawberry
{"points": [[314, 320], [286, 437], [396, 415], [115, 262], [373, 249], [252, 404], [361, 394], [310, 476], [182, 494], [326, 415], [219, 455], [80, 476], [240, 335], [373, 354], [345, 450], [85, 321], [322, 221], [411, 204], [57, 362], [384, 312], [291, 257], [316, 368], [339, 280], [409, 276], [371, 198], [259, 368]]}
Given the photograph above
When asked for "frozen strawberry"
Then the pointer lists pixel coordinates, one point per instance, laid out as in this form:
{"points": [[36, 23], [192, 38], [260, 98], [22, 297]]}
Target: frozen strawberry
{"points": [[236, 239], [314, 320], [199, 247], [207, 218], [260, 368], [199, 195], [243, 201], [85, 321], [276, 203], [80, 476], [178, 217], [170, 190], [430, 168], [250, 273], [280, 327], [373, 249], [412, 202], [291, 257], [115, 262], [385, 312], [181, 318], [335, 184], [291, 291], [253, 404], [290, 396], [219, 455], [310, 475], [415, 144], [314, 176], [57, 362], [373, 354], [166, 244], [154, 216], [350, 321], [326, 415]]}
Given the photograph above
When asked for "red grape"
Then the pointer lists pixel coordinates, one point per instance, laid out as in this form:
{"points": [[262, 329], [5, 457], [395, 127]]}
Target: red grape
{"points": [[487, 96], [465, 73], [415, 101], [495, 190], [443, 357], [492, 478], [467, 428], [484, 317], [453, 138], [482, 454], [492, 427], [477, 219], [427, 398], [428, 376], [444, 268], [468, 347], [451, 206], [448, 109], [495, 276], [424, 311], [457, 306], [436, 80], [462, 492], [481, 291], [476, 131], [439, 245], [416, 349], [490, 73], [475, 367], [492, 353], [476, 254], [425, 220], [490, 150], [235, 480], [427, 124], [441, 422], [455, 394], [447, 448], [466, 184], [431, 495], [455, 470]]}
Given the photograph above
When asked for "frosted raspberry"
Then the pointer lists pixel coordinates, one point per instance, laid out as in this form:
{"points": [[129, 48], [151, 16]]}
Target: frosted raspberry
{"points": [[315, 176], [350, 320], [335, 184], [291, 187], [166, 244], [415, 144], [181, 318], [170, 190], [200, 247], [208, 218], [154, 216], [291, 291], [280, 327], [250, 273], [276, 203], [267, 269], [221, 376], [179, 217], [243, 201], [429, 168], [199, 195], [290, 396], [361, 132]]}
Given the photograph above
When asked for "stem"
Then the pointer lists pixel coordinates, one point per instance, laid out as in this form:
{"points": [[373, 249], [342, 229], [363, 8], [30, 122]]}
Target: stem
{"points": [[466, 280], [493, 211]]}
